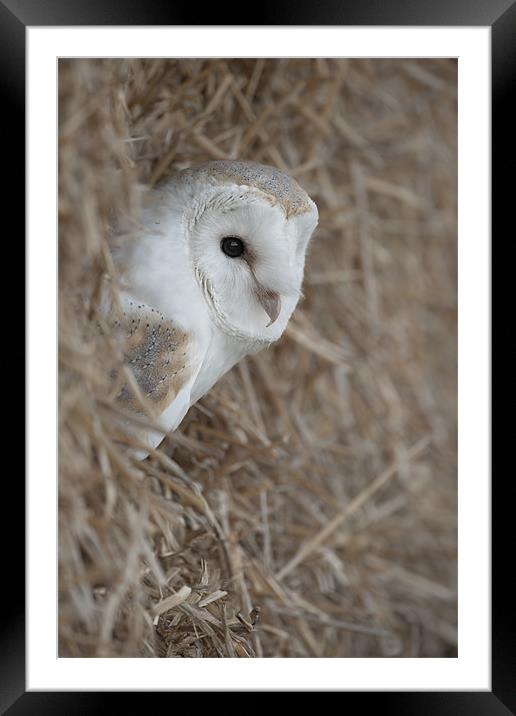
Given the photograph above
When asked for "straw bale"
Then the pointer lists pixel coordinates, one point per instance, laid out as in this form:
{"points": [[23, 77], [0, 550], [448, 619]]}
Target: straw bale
{"points": [[307, 506]]}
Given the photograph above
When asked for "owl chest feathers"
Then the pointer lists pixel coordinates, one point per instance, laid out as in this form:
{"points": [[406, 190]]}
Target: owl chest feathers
{"points": [[174, 349]]}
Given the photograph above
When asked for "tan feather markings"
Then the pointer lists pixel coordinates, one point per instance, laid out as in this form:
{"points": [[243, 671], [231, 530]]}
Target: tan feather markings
{"points": [[156, 351], [277, 185]]}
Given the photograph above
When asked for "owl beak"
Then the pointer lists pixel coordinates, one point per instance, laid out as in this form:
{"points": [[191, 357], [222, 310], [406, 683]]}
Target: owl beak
{"points": [[270, 301]]}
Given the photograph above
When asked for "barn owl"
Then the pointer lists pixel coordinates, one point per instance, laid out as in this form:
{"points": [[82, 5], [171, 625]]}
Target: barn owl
{"points": [[214, 274]]}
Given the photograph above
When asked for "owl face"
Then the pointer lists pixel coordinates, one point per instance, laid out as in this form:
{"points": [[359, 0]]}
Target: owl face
{"points": [[247, 246]]}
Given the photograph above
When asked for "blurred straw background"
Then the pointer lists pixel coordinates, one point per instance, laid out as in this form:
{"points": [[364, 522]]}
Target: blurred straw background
{"points": [[307, 505]]}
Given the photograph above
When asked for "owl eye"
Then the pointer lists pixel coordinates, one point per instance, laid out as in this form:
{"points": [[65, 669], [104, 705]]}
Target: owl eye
{"points": [[232, 246]]}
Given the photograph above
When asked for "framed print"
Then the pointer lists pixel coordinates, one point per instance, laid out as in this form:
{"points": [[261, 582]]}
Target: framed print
{"points": [[258, 257]]}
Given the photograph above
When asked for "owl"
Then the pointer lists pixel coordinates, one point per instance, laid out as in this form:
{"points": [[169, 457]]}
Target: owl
{"points": [[213, 274]]}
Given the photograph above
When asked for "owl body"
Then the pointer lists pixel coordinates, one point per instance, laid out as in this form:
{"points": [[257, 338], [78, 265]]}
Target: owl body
{"points": [[214, 275]]}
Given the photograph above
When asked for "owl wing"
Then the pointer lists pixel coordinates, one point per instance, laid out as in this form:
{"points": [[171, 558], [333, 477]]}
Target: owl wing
{"points": [[164, 360]]}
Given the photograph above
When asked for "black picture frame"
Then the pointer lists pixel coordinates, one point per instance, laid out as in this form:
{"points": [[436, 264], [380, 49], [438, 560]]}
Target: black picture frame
{"points": [[500, 15]]}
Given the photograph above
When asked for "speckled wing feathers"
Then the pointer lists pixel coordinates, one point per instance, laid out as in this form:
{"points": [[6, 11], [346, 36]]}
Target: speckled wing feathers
{"points": [[157, 352]]}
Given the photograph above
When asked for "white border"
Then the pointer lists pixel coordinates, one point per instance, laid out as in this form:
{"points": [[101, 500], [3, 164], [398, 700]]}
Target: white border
{"points": [[471, 670]]}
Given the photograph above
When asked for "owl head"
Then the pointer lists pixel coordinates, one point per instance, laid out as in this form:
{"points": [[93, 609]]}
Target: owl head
{"points": [[246, 228]]}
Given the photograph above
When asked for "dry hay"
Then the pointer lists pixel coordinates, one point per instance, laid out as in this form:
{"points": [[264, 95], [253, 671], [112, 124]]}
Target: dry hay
{"points": [[307, 506]]}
